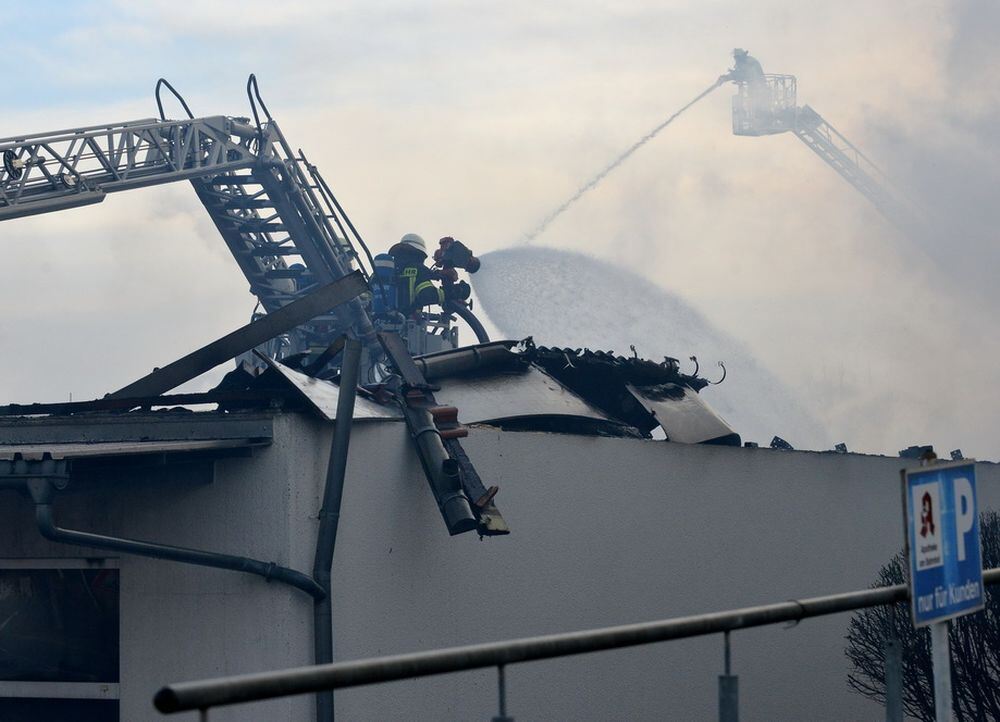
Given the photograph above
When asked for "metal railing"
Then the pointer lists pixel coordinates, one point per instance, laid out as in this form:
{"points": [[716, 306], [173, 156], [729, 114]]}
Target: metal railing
{"points": [[203, 695]]}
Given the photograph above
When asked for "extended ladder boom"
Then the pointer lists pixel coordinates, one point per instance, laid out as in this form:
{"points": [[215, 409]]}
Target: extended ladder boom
{"points": [[765, 104], [272, 208], [852, 165], [60, 169]]}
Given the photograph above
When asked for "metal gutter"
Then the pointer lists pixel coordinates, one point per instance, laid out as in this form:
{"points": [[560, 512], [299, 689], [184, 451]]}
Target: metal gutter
{"points": [[121, 448], [329, 519], [136, 426]]}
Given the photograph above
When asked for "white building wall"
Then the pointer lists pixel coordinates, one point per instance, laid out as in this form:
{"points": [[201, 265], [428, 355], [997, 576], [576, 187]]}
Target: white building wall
{"points": [[612, 531], [605, 531]]}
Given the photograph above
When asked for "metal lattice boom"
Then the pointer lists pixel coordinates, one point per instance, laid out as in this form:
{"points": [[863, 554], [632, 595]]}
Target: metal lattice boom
{"points": [[765, 104], [853, 166], [61, 169], [271, 207]]}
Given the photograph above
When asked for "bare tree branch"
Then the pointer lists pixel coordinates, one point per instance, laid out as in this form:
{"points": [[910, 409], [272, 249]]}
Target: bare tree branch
{"points": [[974, 640]]}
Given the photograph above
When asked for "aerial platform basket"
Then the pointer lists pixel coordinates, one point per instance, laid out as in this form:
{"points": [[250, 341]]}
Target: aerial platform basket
{"points": [[765, 107]]}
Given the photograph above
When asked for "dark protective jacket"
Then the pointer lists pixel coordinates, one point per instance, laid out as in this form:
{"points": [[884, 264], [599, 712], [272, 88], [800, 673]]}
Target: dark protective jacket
{"points": [[415, 287], [748, 70]]}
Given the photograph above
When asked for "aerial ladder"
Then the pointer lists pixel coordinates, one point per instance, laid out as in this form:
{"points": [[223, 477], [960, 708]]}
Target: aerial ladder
{"points": [[766, 104], [290, 237], [281, 221]]}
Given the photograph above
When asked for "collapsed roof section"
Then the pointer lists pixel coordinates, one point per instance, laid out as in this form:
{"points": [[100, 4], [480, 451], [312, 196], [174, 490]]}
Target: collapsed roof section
{"points": [[518, 386], [513, 385]]}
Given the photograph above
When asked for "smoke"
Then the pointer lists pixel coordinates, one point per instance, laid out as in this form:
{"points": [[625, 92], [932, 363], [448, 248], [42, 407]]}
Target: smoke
{"points": [[948, 151], [569, 299], [593, 182]]}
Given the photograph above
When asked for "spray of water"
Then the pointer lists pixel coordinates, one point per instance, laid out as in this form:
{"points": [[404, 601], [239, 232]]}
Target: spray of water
{"points": [[531, 235], [569, 299]]}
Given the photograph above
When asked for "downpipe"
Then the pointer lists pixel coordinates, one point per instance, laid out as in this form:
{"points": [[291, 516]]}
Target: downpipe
{"points": [[42, 493], [329, 519]]}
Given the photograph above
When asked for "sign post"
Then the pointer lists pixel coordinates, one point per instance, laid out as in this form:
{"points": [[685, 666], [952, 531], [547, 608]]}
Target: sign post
{"points": [[946, 570]]}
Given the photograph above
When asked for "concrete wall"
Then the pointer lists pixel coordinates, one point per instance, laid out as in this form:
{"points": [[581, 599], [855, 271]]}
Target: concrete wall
{"points": [[605, 531], [610, 531], [182, 622]]}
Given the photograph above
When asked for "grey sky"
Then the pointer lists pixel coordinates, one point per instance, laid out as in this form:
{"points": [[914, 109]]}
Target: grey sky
{"points": [[475, 120]]}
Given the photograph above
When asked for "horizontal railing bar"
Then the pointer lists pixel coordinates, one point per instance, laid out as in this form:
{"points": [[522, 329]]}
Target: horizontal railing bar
{"points": [[266, 685], [100, 131]]}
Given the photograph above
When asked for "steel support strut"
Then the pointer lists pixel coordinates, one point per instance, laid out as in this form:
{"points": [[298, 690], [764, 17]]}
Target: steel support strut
{"points": [[329, 519]]}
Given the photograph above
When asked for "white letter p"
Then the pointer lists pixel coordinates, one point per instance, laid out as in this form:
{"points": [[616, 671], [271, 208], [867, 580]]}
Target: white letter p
{"points": [[964, 514]]}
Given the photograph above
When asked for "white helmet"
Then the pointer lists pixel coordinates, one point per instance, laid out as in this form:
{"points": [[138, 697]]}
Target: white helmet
{"points": [[413, 241]]}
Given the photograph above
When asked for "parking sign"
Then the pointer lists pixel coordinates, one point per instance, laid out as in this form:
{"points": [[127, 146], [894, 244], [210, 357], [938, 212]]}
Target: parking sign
{"points": [[942, 535]]}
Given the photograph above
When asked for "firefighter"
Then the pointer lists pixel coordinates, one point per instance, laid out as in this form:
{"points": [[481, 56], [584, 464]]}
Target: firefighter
{"points": [[746, 68], [747, 71], [415, 283]]}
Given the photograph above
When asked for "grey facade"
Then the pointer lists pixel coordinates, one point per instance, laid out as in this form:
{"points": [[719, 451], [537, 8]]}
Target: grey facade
{"points": [[604, 531]]}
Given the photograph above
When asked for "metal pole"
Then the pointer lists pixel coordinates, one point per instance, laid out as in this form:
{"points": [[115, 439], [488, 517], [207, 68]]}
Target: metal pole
{"points": [[893, 654], [729, 687], [329, 520], [267, 685], [941, 655], [502, 694]]}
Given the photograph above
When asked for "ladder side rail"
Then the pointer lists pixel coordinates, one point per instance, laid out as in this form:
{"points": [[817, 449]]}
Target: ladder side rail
{"points": [[298, 206], [310, 208], [857, 157], [244, 230], [90, 164], [355, 317], [843, 164], [324, 212], [110, 129], [67, 133], [834, 136], [242, 244], [316, 261], [893, 209], [335, 212], [343, 251]]}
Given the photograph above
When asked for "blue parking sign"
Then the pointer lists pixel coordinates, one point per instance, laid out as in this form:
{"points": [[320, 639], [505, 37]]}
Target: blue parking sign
{"points": [[942, 535]]}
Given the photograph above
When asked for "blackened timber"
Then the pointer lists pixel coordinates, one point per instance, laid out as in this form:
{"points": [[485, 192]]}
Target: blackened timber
{"points": [[243, 339]]}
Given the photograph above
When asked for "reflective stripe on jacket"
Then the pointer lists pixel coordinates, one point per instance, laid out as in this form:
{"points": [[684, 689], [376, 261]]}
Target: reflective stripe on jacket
{"points": [[416, 289]]}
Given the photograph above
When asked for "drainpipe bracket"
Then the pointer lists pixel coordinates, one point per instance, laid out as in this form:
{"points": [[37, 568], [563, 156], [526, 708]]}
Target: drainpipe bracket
{"points": [[41, 489]]}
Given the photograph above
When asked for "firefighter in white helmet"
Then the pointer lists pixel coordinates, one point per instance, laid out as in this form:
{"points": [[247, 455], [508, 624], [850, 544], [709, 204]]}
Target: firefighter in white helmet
{"points": [[415, 283]]}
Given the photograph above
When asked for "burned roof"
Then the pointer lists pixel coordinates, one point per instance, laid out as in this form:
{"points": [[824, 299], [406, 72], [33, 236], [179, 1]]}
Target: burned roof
{"points": [[514, 385]]}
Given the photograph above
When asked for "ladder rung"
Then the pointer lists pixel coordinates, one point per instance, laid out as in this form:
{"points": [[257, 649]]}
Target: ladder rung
{"points": [[300, 273], [239, 202], [233, 180], [264, 251]]}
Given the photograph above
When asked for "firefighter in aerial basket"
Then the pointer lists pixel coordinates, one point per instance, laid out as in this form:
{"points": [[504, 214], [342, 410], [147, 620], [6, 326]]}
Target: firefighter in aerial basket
{"points": [[417, 285]]}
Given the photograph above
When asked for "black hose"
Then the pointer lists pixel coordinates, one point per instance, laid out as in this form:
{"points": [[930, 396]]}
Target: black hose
{"points": [[466, 314], [159, 103]]}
